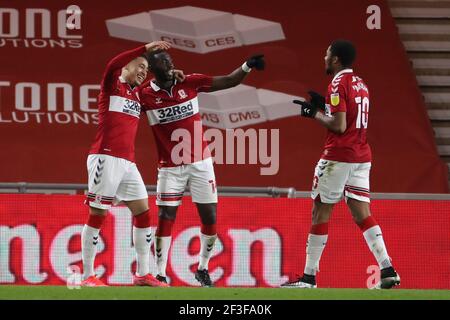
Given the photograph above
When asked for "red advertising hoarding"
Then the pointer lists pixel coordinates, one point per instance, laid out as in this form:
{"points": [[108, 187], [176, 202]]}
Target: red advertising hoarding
{"points": [[261, 242]]}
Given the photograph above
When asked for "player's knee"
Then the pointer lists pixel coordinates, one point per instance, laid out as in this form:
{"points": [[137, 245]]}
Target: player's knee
{"points": [[209, 218], [138, 207], [321, 213], [208, 213], [167, 213], [315, 215], [96, 211], [360, 210]]}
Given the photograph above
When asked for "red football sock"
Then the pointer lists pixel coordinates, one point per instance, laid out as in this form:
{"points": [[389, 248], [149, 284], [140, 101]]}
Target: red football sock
{"points": [[142, 220], [95, 220], [164, 227], [208, 229], [319, 229], [367, 223]]}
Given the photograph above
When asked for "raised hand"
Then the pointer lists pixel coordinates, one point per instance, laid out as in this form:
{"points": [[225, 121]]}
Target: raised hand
{"points": [[179, 75], [306, 109], [156, 45], [317, 100], [256, 61]]}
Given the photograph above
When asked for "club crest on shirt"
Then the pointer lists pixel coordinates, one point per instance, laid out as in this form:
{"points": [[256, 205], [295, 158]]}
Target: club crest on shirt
{"points": [[182, 94], [334, 99]]}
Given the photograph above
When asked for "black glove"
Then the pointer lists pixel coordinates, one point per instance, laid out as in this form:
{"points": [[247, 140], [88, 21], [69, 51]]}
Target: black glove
{"points": [[317, 100], [309, 109], [306, 109], [257, 62]]}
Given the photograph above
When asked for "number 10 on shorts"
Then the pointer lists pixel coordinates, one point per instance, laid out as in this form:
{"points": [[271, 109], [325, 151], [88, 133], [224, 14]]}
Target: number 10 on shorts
{"points": [[213, 185]]}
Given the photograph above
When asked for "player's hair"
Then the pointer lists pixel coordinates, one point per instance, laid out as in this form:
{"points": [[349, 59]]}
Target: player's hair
{"points": [[142, 56], [151, 56], [344, 50]]}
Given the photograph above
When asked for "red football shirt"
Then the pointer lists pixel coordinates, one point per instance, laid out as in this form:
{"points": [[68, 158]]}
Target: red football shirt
{"points": [[175, 120], [119, 110], [348, 93]]}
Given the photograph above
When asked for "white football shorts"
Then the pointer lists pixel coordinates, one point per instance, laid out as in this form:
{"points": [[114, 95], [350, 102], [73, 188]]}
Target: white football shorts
{"points": [[172, 182], [333, 180], [112, 180]]}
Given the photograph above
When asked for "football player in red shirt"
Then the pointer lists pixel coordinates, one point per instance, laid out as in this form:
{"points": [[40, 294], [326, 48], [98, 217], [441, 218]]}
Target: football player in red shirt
{"points": [[344, 167], [172, 107], [113, 175]]}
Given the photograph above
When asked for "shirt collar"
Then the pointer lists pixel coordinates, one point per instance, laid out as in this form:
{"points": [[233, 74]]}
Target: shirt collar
{"points": [[157, 88], [154, 86], [342, 72]]}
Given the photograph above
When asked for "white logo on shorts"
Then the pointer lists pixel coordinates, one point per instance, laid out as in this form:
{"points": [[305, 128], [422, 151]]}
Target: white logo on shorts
{"points": [[98, 198]]}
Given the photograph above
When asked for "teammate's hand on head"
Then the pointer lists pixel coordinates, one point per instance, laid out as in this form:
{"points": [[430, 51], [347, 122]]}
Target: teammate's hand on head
{"points": [[256, 61], [317, 100], [306, 109], [156, 45], [179, 75]]}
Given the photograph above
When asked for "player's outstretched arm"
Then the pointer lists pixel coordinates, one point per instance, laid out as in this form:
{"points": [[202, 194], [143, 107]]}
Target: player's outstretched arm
{"points": [[119, 61], [238, 75]]}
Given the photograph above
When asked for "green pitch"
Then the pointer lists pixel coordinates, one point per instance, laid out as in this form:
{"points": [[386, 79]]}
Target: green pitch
{"points": [[183, 293]]}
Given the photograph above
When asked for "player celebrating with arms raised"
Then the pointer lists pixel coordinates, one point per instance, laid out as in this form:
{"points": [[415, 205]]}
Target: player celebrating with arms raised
{"points": [[344, 167], [172, 106], [113, 175]]}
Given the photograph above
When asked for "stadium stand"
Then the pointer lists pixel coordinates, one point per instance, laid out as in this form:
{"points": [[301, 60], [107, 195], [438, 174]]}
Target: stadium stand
{"points": [[424, 27]]}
